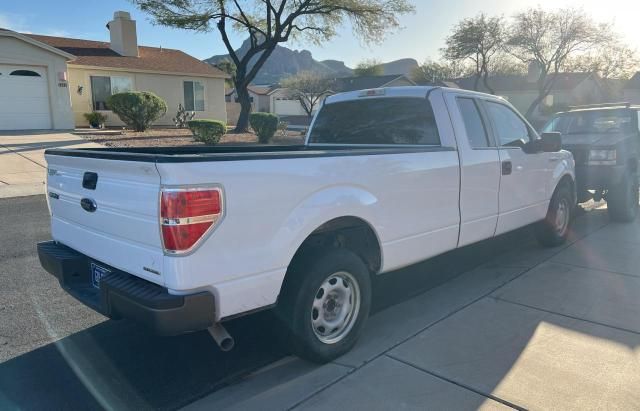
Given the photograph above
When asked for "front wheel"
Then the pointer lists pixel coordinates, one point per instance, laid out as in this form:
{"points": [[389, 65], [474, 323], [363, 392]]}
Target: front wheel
{"points": [[622, 199], [554, 229], [325, 303]]}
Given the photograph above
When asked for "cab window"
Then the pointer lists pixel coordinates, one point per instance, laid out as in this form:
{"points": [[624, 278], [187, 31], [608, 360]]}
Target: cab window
{"points": [[473, 124], [510, 129]]}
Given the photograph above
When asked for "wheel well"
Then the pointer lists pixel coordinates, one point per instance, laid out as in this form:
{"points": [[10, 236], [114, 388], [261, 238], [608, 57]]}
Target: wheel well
{"points": [[351, 233], [567, 179]]}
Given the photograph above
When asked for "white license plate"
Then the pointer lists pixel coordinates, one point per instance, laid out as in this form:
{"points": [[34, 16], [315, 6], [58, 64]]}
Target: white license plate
{"points": [[97, 273]]}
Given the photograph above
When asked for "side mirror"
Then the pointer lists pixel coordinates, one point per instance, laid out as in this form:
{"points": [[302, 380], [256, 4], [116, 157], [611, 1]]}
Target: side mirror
{"points": [[551, 142]]}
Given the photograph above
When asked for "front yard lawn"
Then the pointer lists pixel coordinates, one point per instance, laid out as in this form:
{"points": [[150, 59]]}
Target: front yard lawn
{"points": [[167, 137]]}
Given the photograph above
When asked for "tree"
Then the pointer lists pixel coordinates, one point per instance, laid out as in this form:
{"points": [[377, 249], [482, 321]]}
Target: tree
{"points": [[476, 39], [309, 88], [229, 68], [370, 67], [549, 39], [271, 22], [611, 61], [433, 71]]}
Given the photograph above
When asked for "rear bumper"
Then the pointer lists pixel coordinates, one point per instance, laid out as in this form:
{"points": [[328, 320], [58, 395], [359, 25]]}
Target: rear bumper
{"points": [[122, 295], [598, 177]]}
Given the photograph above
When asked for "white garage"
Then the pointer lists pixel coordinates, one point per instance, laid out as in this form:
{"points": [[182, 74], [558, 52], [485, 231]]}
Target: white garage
{"points": [[34, 93], [24, 101]]}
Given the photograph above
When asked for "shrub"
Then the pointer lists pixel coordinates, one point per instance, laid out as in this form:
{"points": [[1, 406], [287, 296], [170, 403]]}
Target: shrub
{"points": [[95, 119], [207, 131], [137, 109], [183, 117], [282, 128], [265, 126]]}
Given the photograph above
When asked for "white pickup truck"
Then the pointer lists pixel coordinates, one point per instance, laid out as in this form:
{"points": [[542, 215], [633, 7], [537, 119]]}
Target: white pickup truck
{"points": [[182, 239]]}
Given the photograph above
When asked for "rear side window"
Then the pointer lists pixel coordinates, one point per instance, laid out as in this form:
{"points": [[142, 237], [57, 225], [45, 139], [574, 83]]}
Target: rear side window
{"points": [[473, 124], [377, 121]]}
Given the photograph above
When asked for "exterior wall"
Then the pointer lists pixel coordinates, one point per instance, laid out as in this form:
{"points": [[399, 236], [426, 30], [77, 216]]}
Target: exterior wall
{"points": [[17, 52], [167, 86]]}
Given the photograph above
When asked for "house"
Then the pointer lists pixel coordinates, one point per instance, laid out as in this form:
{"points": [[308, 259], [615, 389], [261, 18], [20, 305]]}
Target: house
{"points": [[50, 82], [260, 101], [631, 89], [521, 90], [353, 83]]}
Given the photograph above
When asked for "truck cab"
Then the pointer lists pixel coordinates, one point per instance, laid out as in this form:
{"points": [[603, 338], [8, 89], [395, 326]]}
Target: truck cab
{"points": [[605, 142]]}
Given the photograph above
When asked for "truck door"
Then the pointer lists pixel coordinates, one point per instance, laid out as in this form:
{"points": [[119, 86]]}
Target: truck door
{"points": [[524, 174], [480, 169]]}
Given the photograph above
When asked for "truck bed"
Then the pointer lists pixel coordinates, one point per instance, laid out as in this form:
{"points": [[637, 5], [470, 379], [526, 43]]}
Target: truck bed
{"points": [[234, 152]]}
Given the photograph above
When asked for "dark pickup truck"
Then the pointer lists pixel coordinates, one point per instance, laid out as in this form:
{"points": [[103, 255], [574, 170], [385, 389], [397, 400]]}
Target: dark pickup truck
{"points": [[605, 142]]}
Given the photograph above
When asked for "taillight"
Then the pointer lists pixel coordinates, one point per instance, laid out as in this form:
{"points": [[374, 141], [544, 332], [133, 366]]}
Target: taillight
{"points": [[186, 215]]}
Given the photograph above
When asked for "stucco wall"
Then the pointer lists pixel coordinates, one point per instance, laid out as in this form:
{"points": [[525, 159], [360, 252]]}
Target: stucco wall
{"points": [[18, 52], [168, 87]]}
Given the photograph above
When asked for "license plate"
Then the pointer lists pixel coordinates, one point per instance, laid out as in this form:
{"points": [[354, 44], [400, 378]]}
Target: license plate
{"points": [[97, 273]]}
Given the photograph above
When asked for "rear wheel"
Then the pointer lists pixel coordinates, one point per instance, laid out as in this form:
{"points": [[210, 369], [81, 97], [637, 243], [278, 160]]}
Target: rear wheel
{"points": [[554, 229], [622, 199], [325, 303]]}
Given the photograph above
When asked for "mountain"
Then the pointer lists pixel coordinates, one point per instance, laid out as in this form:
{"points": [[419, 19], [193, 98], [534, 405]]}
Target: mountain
{"points": [[402, 66], [284, 62]]}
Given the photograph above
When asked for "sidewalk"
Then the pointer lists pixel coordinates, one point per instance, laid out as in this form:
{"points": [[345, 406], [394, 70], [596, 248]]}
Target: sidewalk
{"points": [[535, 329], [22, 164]]}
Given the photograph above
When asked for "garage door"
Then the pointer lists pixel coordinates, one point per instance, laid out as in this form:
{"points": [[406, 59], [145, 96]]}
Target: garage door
{"points": [[24, 98]]}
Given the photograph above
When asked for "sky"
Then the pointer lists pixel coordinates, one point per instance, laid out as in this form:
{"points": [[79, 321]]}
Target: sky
{"points": [[421, 36]]}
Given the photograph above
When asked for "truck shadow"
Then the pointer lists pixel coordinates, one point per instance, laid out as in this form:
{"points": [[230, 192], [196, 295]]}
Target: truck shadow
{"points": [[119, 365]]}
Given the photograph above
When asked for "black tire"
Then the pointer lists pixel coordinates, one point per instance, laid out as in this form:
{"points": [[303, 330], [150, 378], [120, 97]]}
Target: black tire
{"points": [[622, 199], [549, 232], [305, 277]]}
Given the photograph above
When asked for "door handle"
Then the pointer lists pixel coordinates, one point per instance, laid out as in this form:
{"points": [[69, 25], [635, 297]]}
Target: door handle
{"points": [[507, 168], [554, 159]]}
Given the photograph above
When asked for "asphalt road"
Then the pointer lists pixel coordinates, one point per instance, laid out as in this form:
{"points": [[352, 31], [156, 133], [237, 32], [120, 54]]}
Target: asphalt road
{"points": [[57, 354]]}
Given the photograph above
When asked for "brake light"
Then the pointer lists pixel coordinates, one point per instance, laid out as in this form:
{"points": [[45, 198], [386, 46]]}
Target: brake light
{"points": [[186, 215]]}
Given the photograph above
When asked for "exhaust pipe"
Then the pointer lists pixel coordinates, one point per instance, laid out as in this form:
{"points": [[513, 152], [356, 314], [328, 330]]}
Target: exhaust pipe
{"points": [[222, 337]]}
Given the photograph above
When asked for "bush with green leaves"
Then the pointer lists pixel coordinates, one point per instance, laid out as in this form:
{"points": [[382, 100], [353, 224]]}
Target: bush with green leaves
{"points": [[95, 119], [137, 109], [265, 126], [207, 131]]}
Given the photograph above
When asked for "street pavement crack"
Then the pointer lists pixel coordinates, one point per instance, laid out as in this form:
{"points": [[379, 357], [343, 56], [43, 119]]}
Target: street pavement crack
{"points": [[457, 383]]}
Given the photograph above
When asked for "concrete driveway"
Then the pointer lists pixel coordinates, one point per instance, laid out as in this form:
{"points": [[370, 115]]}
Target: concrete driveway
{"points": [[532, 329], [22, 164]]}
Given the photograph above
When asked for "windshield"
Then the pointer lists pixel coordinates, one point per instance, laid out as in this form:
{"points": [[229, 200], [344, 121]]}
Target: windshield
{"points": [[591, 122]]}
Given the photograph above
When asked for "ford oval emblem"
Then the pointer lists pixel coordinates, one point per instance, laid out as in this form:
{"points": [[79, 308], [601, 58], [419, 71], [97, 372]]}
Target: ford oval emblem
{"points": [[89, 204]]}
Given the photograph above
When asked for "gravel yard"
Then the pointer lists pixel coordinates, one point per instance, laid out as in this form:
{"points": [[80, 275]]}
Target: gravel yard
{"points": [[180, 137]]}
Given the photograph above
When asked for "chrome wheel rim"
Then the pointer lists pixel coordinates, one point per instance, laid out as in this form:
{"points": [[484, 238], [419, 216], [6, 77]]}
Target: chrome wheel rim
{"points": [[335, 308], [562, 217]]}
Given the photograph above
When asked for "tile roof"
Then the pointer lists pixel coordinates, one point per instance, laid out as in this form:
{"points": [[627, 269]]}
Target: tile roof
{"points": [[634, 82], [98, 54], [364, 82]]}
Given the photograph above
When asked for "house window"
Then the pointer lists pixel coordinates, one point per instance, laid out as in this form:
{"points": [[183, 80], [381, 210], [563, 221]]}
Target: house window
{"points": [[103, 87], [193, 96], [25, 73]]}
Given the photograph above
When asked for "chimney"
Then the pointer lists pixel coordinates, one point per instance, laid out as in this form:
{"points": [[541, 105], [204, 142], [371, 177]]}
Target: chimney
{"points": [[124, 39]]}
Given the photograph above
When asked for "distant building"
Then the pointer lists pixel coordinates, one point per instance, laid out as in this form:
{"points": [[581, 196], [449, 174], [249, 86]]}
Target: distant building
{"points": [[521, 90], [279, 100], [631, 91]]}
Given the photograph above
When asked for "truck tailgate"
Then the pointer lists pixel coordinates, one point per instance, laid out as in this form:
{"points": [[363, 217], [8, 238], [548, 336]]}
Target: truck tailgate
{"points": [[123, 229]]}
